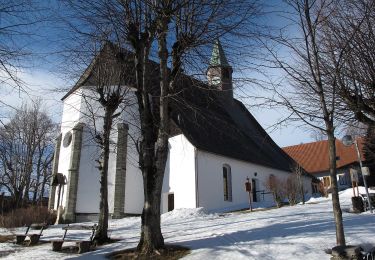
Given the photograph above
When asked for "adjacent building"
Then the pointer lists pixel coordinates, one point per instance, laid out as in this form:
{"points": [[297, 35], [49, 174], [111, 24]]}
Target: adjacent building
{"points": [[314, 158]]}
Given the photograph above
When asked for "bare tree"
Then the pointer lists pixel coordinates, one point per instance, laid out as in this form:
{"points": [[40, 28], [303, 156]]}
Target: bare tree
{"points": [[317, 134], [370, 152], [105, 99], [177, 27], [352, 26], [312, 97], [356, 129], [190, 24], [109, 75], [17, 17], [351, 29], [297, 177], [26, 151]]}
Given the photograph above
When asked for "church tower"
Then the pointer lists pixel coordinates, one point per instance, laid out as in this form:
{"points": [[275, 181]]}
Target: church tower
{"points": [[219, 72]]}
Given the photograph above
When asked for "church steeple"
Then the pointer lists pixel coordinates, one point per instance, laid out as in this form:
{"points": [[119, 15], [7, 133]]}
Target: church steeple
{"points": [[219, 72], [218, 56]]}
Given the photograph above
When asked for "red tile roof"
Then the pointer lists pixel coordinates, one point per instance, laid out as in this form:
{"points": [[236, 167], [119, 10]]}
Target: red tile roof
{"points": [[314, 157]]}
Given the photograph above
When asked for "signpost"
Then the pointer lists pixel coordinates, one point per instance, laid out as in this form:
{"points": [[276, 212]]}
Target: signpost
{"points": [[354, 178], [348, 141], [248, 189]]}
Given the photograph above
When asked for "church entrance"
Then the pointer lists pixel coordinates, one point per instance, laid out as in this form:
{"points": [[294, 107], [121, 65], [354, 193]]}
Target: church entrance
{"points": [[254, 189], [170, 202]]}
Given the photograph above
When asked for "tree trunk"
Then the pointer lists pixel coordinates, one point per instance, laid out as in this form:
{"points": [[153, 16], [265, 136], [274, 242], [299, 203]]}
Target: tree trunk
{"points": [[44, 182], [155, 154], [101, 235], [340, 236], [37, 183], [151, 236]]}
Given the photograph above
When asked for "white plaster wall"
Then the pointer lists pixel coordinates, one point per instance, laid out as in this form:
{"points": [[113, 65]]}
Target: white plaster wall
{"points": [[70, 117], [88, 193], [166, 188], [71, 111], [112, 175], [88, 179], [88, 198], [180, 177], [210, 181], [79, 107], [134, 181]]}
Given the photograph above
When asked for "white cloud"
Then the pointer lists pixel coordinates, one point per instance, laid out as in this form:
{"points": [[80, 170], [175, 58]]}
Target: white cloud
{"points": [[37, 84]]}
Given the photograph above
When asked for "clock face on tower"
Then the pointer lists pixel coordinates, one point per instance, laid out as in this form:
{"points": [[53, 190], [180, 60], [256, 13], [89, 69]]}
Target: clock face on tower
{"points": [[216, 80]]}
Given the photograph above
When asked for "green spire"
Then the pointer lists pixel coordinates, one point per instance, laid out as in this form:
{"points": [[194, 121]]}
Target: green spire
{"points": [[218, 56]]}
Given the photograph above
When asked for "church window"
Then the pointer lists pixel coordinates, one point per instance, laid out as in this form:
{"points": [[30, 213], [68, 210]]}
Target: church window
{"points": [[227, 182], [67, 139]]}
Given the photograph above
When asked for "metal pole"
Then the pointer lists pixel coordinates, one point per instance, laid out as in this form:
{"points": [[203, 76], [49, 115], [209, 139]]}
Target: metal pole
{"points": [[363, 176], [251, 205]]}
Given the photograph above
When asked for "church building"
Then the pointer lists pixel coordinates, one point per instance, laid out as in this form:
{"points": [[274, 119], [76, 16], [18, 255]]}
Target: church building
{"points": [[215, 146]]}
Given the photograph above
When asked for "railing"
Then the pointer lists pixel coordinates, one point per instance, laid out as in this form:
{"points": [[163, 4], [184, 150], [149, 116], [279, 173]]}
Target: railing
{"points": [[262, 193]]}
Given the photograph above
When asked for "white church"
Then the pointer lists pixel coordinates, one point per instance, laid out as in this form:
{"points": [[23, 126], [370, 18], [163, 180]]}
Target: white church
{"points": [[215, 145]]}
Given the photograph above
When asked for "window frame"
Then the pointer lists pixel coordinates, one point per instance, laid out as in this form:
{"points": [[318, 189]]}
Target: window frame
{"points": [[227, 182]]}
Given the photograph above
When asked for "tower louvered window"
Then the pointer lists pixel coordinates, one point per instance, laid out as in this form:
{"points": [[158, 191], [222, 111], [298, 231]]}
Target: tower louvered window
{"points": [[227, 182]]}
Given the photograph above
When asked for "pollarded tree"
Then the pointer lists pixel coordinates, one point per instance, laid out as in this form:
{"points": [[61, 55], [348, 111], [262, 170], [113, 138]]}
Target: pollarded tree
{"points": [[352, 26], [105, 100], [189, 24], [176, 27]]}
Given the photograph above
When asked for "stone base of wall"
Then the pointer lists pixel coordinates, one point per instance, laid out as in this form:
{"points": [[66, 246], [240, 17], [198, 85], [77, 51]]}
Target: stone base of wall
{"points": [[87, 217], [94, 217], [118, 215], [68, 218]]}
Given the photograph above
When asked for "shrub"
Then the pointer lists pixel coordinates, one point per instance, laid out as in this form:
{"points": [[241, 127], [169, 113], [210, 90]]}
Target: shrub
{"points": [[27, 216], [277, 188], [292, 189]]}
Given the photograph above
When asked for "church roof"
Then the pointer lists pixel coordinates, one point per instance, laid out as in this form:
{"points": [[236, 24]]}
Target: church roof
{"points": [[211, 123], [218, 56], [226, 129]]}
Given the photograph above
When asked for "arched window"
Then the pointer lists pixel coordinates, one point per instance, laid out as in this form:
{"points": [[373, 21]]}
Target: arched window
{"points": [[227, 182]]}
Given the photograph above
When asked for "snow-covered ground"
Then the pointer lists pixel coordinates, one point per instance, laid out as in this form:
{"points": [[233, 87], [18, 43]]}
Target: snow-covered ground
{"points": [[299, 232]]}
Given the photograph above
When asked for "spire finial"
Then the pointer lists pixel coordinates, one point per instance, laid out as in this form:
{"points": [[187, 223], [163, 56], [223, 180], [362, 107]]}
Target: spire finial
{"points": [[218, 56]]}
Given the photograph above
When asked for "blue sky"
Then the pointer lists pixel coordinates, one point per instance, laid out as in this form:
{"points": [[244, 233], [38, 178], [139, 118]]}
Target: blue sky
{"points": [[43, 76]]}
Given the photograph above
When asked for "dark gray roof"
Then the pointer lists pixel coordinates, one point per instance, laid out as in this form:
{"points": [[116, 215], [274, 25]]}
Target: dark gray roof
{"points": [[210, 122], [226, 128]]}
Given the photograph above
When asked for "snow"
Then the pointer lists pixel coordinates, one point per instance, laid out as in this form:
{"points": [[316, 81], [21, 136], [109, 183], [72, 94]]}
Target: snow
{"points": [[301, 231]]}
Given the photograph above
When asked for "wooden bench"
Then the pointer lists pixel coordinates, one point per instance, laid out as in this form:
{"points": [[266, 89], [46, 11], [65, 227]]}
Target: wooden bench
{"points": [[83, 245], [33, 238]]}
